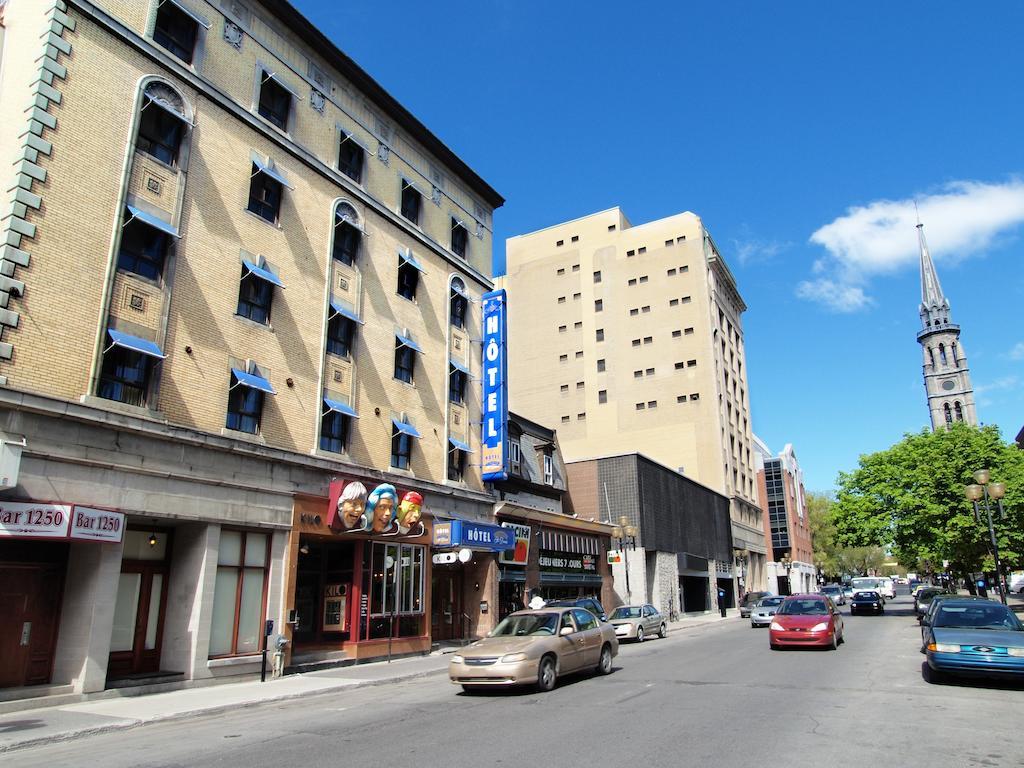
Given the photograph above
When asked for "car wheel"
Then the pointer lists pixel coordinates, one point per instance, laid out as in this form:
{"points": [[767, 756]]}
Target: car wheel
{"points": [[834, 645], [773, 646], [546, 675], [604, 664], [663, 632], [639, 634], [470, 689], [935, 677]]}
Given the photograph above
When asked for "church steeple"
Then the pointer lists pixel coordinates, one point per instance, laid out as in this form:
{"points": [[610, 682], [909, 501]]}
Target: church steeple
{"points": [[947, 379]]}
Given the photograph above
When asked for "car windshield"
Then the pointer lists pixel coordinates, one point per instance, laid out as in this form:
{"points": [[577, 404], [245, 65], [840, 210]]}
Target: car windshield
{"points": [[626, 612], [752, 597], [830, 590], [803, 607], [866, 596], [925, 596], [976, 617], [768, 602], [865, 583], [527, 624]]}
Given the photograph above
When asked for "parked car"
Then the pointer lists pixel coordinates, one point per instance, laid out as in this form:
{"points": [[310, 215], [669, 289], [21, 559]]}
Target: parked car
{"points": [[749, 601], [536, 647], [635, 622], [867, 602], [806, 620], [978, 638], [923, 598], [589, 603], [835, 592], [929, 614], [848, 591], [761, 615], [887, 588], [1017, 583]]}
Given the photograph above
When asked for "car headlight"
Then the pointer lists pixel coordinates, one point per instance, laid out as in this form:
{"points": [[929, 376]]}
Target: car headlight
{"points": [[944, 647], [1015, 651], [776, 626], [456, 659], [820, 627], [510, 657]]}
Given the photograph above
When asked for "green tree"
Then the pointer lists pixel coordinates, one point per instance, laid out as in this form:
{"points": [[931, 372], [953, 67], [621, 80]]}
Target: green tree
{"points": [[909, 499]]}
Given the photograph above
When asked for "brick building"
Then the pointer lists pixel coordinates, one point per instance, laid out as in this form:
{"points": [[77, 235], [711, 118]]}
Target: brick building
{"points": [[235, 275]]}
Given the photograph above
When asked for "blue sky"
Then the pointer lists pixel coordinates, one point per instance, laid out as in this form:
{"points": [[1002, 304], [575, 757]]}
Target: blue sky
{"points": [[799, 131]]}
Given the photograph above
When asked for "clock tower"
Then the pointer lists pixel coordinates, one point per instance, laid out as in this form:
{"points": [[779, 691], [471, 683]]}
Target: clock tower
{"points": [[947, 380]]}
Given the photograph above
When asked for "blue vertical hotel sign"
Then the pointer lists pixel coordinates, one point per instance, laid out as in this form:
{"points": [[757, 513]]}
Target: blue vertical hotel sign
{"points": [[495, 403]]}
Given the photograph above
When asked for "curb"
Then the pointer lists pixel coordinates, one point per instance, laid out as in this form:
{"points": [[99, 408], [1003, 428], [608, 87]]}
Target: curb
{"points": [[125, 725]]}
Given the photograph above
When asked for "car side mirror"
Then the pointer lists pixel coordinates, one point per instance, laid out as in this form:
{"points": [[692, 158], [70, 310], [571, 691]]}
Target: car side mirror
{"points": [[603, 617], [565, 631]]}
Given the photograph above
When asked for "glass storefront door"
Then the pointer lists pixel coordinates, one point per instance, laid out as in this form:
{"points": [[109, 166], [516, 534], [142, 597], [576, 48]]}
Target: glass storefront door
{"points": [[141, 601]]}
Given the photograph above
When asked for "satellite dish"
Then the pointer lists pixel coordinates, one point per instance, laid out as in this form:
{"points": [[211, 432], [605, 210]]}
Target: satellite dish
{"points": [[465, 555]]}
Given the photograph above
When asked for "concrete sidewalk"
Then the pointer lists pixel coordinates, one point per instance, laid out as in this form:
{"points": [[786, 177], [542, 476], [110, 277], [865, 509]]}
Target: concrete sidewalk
{"points": [[29, 727]]}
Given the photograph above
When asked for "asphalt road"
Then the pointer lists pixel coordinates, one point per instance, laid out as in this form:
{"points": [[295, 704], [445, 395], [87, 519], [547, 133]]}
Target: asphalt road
{"points": [[713, 695]]}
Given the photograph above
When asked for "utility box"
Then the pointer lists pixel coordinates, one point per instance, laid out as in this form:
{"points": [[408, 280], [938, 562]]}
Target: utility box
{"points": [[10, 463]]}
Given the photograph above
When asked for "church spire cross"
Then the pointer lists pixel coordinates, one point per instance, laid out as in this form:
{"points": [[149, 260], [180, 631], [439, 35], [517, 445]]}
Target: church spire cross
{"points": [[931, 290]]}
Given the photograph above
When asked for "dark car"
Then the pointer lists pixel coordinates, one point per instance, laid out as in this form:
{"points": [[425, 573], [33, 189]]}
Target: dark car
{"points": [[924, 598], [749, 601], [589, 603], [867, 602]]}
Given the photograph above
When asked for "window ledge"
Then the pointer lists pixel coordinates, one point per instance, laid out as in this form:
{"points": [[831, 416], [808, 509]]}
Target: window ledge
{"points": [[114, 405], [254, 324], [248, 437], [276, 225], [232, 661], [330, 455], [402, 472]]}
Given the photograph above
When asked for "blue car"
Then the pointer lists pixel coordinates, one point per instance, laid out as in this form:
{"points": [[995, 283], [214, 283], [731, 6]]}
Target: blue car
{"points": [[975, 638]]}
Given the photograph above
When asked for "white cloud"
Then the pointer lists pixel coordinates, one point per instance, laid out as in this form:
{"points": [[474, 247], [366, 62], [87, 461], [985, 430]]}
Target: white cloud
{"points": [[1003, 383], [752, 251], [1017, 353], [960, 219]]}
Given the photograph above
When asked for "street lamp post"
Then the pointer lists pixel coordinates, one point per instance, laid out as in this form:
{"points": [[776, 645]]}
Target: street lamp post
{"points": [[625, 534], [786, 561], [983, 490]]}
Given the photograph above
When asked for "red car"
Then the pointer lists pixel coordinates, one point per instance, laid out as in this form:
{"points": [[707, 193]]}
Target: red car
{"points": [[806, 620]]}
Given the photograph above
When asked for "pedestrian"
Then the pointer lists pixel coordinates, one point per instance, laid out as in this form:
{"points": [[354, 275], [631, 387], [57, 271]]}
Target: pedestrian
{"points": [[721, 601]]}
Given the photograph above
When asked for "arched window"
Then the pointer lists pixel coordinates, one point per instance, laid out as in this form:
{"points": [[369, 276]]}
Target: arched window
{"points": [[163, 124], [459, 303], [948, 413], [931, 356], [956, 354], [959, 411], [942, 353], [347, 234]]}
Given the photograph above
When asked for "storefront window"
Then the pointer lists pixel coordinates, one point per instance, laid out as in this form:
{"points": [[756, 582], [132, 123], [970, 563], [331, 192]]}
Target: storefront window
{"points": [[396, 590], [240, 593]]}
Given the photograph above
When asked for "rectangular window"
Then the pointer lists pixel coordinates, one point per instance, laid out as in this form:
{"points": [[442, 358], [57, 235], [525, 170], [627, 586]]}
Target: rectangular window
{"points": [[577, 325], [691, 363], [673, 302], [460, 238], [457, 386], [669, 244], [351, 158], [695, 396], [456, 463], [579, 354], [240, 592], [676, 334], [264, 195], [652, 404], [684, 268], [636, 342], [160, 133], [339, 335], [143, 249], [396, 587], [575, 267], [645, 309], [124, 376], [549, 469], [686, 299], [560, 243], [631, 281], [515, 456], [275, 101], [563, 358], [411, 202], [334, 428], [598, 305], [245, 408], [564, 388], [638, 374], [648, 339], [565, 419], [562, 328], [688, 331], [643, 278], [581, 416], [672, 271], [600, 366], [597, 277], [679, 366], [255, 296], [641, 249], [681, 399], [346, 241], [580, 385], [408, 279], [649, 372], [175, 31], [602, 396], [599, 333], [630, 253], [560, 271], [575, 238], [401, 448], [405, 362], [561, 299], [640, 406], [576, 297], [634, 311]]}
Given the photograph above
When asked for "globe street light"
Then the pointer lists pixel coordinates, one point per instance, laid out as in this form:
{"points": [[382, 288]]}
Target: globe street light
{"points": [[982, 489], [625, 534]]}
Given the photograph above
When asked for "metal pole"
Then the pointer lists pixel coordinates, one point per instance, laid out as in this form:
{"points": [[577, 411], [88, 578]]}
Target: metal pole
{"points": [[625, 560], [995, 549]]}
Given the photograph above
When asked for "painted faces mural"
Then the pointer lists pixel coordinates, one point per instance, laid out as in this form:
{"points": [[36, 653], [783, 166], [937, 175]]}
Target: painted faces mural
{"points": [[409, 513], [380, 508], [378, 512], [351, 505]]}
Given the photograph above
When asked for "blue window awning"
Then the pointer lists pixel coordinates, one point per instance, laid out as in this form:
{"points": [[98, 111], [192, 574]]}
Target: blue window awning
{"points": [[460, 445], [407, 257], [339, 407], [460, 367], [253, 381], [152, 221], [135, 344], [263, 273], [272, 172], [156, 101], [404, 428], [456, 288], [405, 341], [337, 308], [200, 20]]}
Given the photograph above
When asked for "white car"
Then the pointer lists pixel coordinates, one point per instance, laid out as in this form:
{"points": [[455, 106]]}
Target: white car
{"points": [[867, 584], [1017, 582], [888, 589]]}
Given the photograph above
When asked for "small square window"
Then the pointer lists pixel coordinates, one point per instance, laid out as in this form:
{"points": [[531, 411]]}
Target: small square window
{"points": [[691, 363], [684, 268], [645, 309], [672, 271], [599, 334], [581, 416], [681, 238], [681, 398], [611, 227], [597, 276], [638, 374], [602, 396], [648, 339], [649, 372], [680, 366], [575, 267], [575, 238], [576, 297], [636, 342], [561, 299], [412, 201], [563, 358], [640, 406], [176, 31], [669, 243], [579, 354], [686, 299], [673, 302], [599, 305], [580, 385], [560, 271], [632, 281], [275, 101], [634, 311], [560, 243], [652, 404], [600, 365], [564, 388], [630, 253], [676, 334], [565, 419], [642, 249], [688, 331], [351, 158], [643, 278], [562, 328], [695, 396], [577, 325]]}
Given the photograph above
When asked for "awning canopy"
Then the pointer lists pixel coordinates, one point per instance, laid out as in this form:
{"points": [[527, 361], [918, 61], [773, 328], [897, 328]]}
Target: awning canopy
{"points": [[460, 367], [405, 428], [135, 344], [337, 308], [405, 341], [339, 407], [253, 381], [200, 20], [167, 107], [272, 172], [456, 288], [407, 257], [263, 273], [151, 221], [460, 445]]}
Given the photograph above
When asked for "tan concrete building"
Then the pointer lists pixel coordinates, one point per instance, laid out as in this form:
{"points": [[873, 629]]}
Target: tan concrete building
{"points": [[236, 276], [629, 338]]}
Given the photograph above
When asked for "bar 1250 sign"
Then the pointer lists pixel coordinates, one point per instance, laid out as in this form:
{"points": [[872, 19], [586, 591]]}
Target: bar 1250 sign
{"points": [[494, 453]]}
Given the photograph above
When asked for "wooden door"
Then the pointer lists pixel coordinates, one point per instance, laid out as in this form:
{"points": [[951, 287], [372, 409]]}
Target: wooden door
{"points": [[138, 619], [29, 612], [447, 622]]}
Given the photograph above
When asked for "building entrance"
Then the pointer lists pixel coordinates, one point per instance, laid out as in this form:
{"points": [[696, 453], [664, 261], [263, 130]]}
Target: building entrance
{"points": [[137, 634], [323, 590], [29, 606], [446, 614]]}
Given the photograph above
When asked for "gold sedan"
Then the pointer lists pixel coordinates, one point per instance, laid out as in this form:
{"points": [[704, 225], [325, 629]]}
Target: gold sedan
{"points": [[535, 648]]}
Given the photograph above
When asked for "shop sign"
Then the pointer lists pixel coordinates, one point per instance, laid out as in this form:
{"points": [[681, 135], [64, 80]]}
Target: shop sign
{"points": [[93, 524], [551, 560], [614, 556], [25, 520], [350, 509], [493, 442], [479, 536], [335, 602], [520, 553]]}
